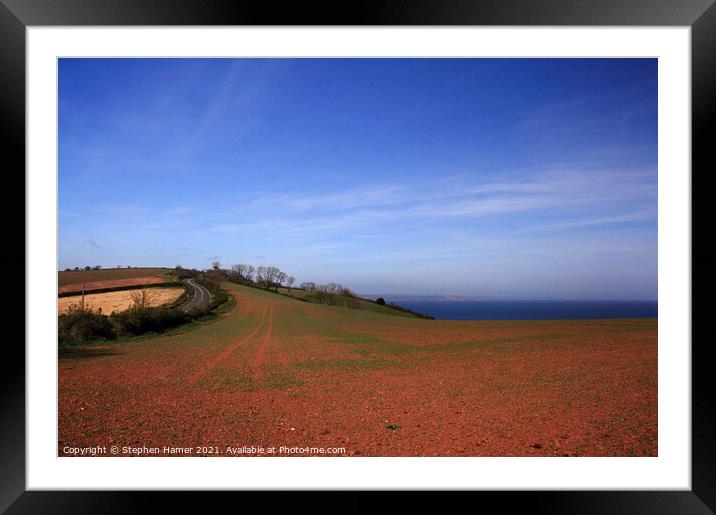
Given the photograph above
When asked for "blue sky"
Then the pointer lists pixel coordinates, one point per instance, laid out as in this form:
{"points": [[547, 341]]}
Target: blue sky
{"points": [[498, 177]]}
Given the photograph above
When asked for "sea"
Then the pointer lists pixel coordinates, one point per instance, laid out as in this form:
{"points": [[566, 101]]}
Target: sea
{"points": [[530, 309]]}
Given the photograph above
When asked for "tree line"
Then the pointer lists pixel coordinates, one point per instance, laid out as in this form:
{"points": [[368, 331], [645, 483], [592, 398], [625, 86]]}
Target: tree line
{"points": [[88, 268], [96, 267], [273, 278]]}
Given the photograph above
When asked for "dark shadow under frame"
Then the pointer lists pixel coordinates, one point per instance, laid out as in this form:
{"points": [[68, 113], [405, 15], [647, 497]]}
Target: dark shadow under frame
{"points": [[16, 15]]}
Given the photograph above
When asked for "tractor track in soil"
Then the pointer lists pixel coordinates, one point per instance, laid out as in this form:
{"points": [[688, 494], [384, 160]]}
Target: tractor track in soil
{"points": [[259, 358], [194, 378]]}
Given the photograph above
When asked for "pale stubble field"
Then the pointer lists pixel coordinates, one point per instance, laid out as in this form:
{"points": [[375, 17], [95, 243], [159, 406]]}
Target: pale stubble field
{"points": [[119, 300]]}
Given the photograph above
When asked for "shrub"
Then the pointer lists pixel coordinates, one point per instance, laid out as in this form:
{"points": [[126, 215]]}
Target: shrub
{"points": [[349, 301], [335, 295], [380, 300], [142, 298], [184, 273], [140, 320], [81, 324]]}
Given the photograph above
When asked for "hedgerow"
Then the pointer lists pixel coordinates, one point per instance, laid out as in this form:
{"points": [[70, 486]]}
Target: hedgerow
{"points": [[81, 324]]}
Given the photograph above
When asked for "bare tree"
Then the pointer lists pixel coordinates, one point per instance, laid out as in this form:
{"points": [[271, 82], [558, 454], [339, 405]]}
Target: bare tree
{"points": [[289, 282], [243, 271], [269, 277], [309, 286], [336, 295], [348, 298], [280, 279], [141, 299], [327, 293], [334, 288], [272, 276], [261, 278], [215, 265]]}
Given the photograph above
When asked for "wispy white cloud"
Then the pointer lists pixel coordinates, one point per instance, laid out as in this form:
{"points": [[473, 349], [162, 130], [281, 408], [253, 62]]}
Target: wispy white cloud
{"points": [[227, 228], [123, 209], [574, 198], [341, 200], [637, 216], [92, 243], [245, 96], [181, 210]]}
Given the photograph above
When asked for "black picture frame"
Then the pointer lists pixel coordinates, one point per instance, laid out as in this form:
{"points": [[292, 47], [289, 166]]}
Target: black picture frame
{"points": [[17, 15]]}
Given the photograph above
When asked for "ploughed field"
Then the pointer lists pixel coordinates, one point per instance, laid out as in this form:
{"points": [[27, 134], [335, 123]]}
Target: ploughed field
{"points": [[75, 281], [279, 372]]}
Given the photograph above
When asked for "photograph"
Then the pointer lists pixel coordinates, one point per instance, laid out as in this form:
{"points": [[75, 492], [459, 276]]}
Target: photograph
{"points": [[357, 257]]}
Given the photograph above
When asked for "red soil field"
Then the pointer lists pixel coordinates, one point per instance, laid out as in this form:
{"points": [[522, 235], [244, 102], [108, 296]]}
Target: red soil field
{"points": [[115, 283], [107, 274], [279, 372]]}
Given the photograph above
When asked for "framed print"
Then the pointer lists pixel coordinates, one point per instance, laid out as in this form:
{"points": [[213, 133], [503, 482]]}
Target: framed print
{"points": [[426, 248]]}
